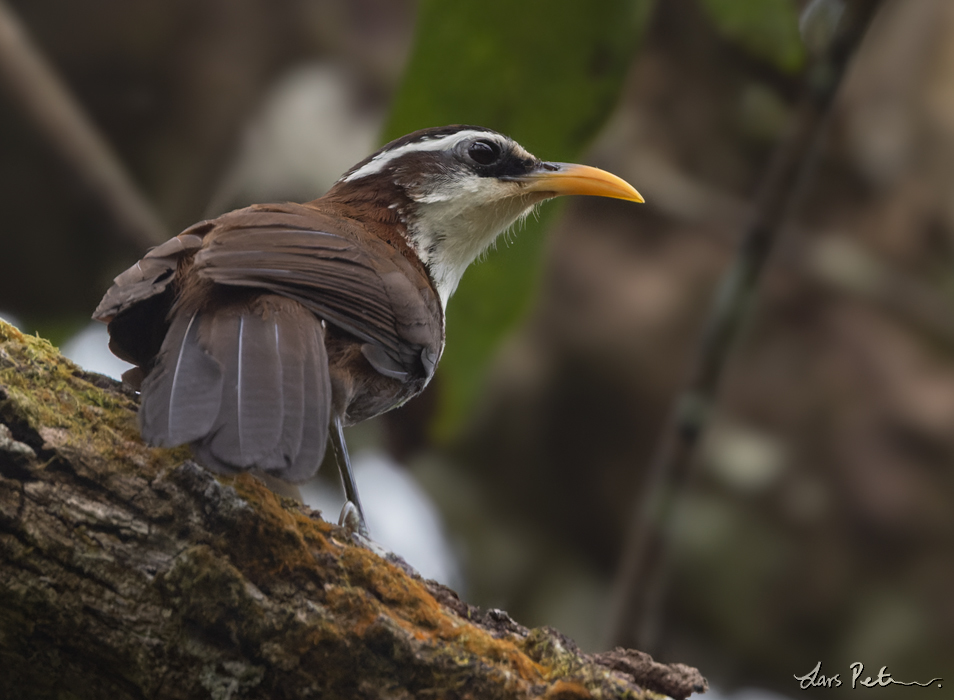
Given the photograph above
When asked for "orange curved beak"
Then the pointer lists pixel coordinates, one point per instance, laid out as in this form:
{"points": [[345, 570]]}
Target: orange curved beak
{"points": [[570, 178]]}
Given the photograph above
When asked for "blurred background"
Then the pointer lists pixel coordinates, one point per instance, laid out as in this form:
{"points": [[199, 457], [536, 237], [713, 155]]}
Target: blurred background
{"points": [[818, 525]]}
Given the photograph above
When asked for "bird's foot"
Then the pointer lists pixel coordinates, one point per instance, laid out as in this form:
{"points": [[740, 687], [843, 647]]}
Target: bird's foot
{"points": [[352, 520], [353, 523]]}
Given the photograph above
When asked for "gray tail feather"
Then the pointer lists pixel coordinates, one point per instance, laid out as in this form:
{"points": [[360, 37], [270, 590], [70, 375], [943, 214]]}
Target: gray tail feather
{"points": [[182, 394], [248, 387]]}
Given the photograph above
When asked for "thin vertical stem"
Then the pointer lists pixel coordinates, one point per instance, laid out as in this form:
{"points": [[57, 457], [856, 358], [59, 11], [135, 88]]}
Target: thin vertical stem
{"points": [[32, 84], [641, 578]]}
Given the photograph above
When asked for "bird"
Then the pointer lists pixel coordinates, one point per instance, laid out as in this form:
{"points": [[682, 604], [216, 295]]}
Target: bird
{"points": [[258, 335]]}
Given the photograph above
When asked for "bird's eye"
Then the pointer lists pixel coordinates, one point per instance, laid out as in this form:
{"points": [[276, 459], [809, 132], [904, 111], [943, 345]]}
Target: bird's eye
{"points": [[484, 152]]}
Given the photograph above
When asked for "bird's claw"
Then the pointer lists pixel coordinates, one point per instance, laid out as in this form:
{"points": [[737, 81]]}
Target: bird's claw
{"points": [[352, 521]]}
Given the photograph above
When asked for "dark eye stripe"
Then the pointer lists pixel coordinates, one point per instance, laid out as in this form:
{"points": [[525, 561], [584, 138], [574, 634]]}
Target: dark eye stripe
{"points": [[484, 152]]}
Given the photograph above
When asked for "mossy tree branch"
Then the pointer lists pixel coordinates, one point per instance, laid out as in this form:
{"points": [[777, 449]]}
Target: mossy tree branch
{"points": [[130, 572]]}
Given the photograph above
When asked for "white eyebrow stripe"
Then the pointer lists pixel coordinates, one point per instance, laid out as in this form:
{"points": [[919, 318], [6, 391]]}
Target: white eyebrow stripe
{"points": [[378, 163]]}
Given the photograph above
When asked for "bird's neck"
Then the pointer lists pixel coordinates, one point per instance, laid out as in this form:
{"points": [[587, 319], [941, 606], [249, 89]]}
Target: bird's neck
{"points": [[381, 212], [445, 232]]}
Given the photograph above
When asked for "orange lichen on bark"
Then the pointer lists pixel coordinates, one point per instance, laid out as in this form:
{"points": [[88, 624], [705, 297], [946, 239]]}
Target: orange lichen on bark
{"points": [[414, 609], [368, 586], [567, 690]]}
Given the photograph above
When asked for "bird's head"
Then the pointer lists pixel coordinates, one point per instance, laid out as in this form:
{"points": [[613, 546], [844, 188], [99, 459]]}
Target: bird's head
{"points": [[455, 189]]}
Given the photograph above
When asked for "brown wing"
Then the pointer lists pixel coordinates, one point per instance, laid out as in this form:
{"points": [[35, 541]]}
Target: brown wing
{"points": [[336, 269], [137, 304], [340, 272]]}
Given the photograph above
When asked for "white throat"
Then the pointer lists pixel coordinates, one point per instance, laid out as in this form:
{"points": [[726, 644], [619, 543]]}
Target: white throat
{"points": [[453, 228]]}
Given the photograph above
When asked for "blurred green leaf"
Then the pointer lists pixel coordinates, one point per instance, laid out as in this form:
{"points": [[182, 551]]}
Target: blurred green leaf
{"points": [[547, 73], [767, 29]]}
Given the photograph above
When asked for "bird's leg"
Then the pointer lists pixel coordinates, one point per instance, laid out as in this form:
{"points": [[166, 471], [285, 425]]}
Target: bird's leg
{"points": [[352, 515]]}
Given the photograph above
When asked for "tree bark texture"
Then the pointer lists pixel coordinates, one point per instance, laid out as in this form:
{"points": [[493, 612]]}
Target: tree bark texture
{"points": [[132, 572]]}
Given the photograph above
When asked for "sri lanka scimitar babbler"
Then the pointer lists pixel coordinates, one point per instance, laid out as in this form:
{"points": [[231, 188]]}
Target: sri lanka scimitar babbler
{"points": [[259, 334]]}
